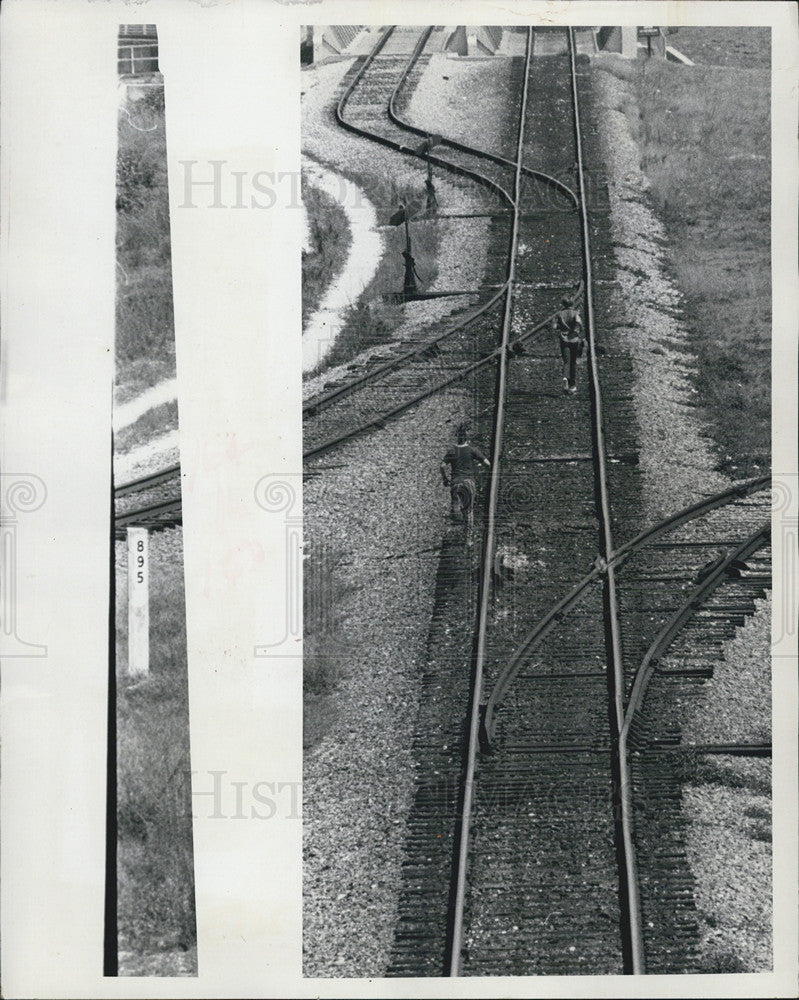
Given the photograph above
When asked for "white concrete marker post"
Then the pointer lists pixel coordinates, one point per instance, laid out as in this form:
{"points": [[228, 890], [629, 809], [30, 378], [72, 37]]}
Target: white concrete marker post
{"points": [[138, 603]]}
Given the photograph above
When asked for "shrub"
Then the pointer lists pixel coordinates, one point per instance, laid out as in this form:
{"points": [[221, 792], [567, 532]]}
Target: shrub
{"points": [[144, 309]]}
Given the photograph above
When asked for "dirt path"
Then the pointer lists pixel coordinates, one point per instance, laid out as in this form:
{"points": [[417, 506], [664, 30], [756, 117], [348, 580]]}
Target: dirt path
{"points": [[366, 250], [128, 413]]}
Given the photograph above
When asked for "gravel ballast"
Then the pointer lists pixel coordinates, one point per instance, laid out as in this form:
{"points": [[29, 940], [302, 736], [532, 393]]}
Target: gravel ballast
{"points": [[380, 500], [452, 94]]}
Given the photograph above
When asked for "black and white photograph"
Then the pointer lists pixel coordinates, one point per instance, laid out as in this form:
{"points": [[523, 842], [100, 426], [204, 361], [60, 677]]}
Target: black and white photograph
{"points": [[399, 499], [536, 446]]}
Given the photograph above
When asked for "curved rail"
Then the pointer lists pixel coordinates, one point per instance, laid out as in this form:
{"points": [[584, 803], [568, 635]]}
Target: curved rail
{"points": [[314, 405], [161, 514], [455, 930], [554, 615], [609, 559], [501, 161], [317, 403], [399, 147], [698, 596]]}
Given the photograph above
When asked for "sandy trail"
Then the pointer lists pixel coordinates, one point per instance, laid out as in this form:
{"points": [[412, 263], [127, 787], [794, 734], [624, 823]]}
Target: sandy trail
{"points": [[366, 250], [128, 413]]}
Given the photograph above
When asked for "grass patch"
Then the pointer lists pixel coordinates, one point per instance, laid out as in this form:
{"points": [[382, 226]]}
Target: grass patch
{"points": [[155, 421], [156, 862], [144, 312], [325, 653], [704, 135], [744, 47], [330, 241], [372, 319]]}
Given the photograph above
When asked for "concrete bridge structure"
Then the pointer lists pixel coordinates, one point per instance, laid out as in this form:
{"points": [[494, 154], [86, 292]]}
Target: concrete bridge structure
{"points": [[322, 42]]}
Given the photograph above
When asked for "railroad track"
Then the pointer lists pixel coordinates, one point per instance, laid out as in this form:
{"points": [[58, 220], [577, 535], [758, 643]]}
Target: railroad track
{"points": [[408, 373], [152, 501], [522, 856]]}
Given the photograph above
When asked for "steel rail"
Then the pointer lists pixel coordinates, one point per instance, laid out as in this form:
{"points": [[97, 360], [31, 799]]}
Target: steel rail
{"points": [[317, 403], [698, 596], [485, 154], [455, 928], [313, 406], [135, 517], [147, 482], [380, 420], [398, 146], [545, 625], [140, 515], [612, 624]]}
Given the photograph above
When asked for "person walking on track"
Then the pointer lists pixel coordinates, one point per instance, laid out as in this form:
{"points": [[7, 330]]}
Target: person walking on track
{"points": [[569, 327], [458, 470]]}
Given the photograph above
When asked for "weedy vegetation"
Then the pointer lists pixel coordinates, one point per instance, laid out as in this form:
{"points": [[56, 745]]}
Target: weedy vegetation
{"points": [[705, 137], [156, 917], [145, 337], [704, 134], [151, 424], [156, 864]]}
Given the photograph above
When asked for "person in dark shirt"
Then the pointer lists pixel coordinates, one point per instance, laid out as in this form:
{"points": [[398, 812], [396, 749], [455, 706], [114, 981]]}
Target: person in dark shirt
{"points": [[462, 461], [569, 327]]}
